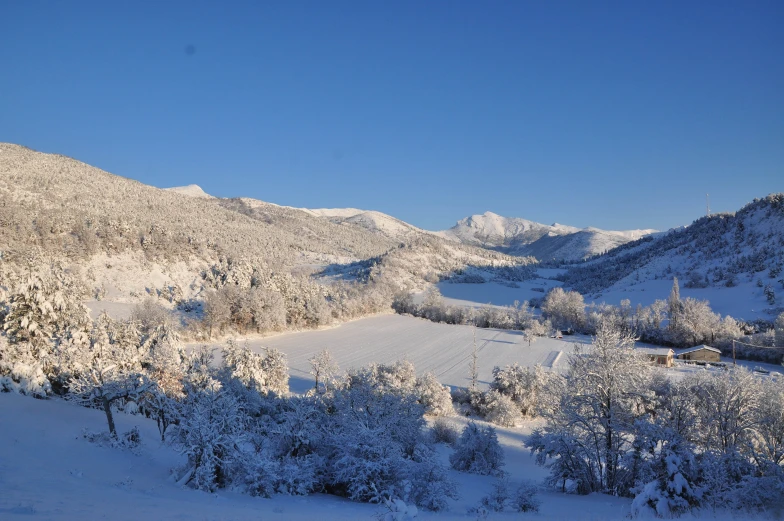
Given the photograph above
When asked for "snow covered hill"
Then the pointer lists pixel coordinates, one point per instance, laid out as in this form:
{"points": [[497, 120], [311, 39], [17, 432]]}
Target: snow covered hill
{"points": [[736, 259], [190, 190], [129, 240], [523, 237], [371, 220]]}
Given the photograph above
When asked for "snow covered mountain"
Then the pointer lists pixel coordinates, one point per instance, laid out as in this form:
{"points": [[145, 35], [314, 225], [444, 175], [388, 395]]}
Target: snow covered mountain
{"points": [[53, 206], [733, 259], [517, 236], [190, 190], [371, 220]]}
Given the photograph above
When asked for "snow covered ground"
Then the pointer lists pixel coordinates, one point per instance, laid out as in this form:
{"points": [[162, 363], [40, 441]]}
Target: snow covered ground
{"points": [[495, 293], [746, 301], [442, 349], [48, 471]]}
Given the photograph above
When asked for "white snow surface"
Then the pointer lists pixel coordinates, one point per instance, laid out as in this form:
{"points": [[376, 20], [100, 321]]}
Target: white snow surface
{"points": [[48, 471], [442, 349], [523, 237], [190, 190], [370, 219]]}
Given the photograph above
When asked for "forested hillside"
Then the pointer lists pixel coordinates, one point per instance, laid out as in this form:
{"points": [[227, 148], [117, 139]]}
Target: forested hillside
{"points": [[722, 250]]}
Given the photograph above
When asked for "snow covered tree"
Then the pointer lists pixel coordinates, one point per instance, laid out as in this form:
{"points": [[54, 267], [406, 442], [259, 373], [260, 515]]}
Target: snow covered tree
{"points": [[587, 437], [264, 373], [770, 294], [674, 304], [210, 431], [113, 369], [44, 307], [434, 397], [565, 309], [46, 325], [324, 370], [726, 408], [478, 451], [779, 327]]}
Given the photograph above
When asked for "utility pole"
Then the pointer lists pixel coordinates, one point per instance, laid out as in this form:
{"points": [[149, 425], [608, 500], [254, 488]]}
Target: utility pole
{"points": [[707, 204]]}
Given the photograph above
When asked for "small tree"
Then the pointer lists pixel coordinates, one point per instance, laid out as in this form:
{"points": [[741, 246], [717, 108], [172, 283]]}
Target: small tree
{"points": [[780, 330], [478, 451], [113, 371], [324, 369]]}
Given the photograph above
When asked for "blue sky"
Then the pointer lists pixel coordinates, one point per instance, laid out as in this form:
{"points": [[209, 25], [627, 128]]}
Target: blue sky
{"points": [[589, 113]]}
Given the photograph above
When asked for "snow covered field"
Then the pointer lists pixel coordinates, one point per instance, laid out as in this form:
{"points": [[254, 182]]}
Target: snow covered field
{"points": [[745, 301], [441, 348]]}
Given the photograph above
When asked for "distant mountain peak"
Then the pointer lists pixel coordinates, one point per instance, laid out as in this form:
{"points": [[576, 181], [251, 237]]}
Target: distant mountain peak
{"points": [[519, 236], [190, 190]]}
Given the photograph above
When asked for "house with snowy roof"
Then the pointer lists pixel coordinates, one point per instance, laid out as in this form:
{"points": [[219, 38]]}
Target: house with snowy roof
{"points": [[701, 353], [659, 355]]}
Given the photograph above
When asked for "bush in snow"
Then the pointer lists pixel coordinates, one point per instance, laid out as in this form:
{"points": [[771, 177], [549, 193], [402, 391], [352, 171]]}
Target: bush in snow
{"points": [[209, 433], [522, 385], [445, 431], [130, 440], [21, 371], [428, 484], [498, 496], [501, 410], [263, 373], [436, 398], [397, 510], [376, 448], [477, 451], [524, 499]]}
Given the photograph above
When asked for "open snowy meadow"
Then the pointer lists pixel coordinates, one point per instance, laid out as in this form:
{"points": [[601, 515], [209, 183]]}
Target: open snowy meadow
{"points": [[445, 350]]}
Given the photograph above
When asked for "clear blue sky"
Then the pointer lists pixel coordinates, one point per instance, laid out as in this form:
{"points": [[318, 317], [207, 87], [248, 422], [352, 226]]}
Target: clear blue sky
{"points": [[609, 114]]}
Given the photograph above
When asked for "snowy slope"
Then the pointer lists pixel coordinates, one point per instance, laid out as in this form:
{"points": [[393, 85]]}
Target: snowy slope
{"points": [[371, 220], [729, 259], [523, 237], [190, 190], [48, 471]]}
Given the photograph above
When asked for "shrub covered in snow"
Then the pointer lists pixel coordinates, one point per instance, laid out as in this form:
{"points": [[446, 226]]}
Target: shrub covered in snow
{"points": [[435, 397], [445, 431], [264, 373], [525, 498], [477, 451]]}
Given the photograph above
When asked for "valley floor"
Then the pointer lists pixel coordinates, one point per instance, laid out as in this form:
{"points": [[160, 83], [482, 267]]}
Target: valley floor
{"points": [[442, 349]]}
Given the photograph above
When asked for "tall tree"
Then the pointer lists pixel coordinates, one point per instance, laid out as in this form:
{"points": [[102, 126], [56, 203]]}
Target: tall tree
{"points": [[674, 304]]}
